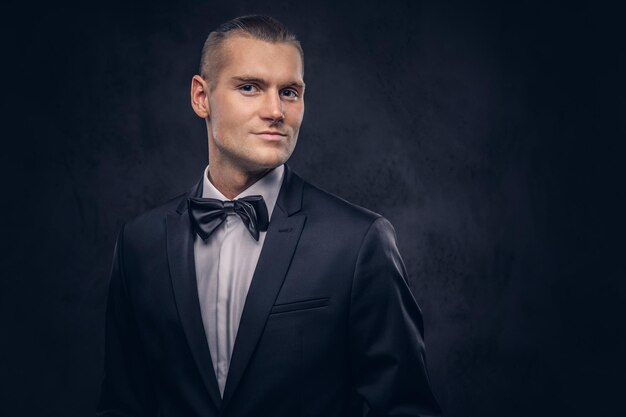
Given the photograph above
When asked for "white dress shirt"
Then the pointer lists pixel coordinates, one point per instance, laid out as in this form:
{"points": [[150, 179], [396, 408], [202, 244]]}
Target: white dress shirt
{"points": [[225, 263]]}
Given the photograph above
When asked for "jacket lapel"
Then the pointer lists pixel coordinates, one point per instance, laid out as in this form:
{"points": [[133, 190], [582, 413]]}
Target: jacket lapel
{"points": [[183, 275], [280, 243]]}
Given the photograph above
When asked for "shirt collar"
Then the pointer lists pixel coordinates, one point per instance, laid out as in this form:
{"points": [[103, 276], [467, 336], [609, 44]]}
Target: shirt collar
{"points": [[268, 186]]}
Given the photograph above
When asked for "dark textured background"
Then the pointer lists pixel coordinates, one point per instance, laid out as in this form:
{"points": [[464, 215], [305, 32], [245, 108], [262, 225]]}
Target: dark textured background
{"points": [[490, 135]]}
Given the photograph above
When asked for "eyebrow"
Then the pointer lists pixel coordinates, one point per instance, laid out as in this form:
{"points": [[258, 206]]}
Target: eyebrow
{"points": [[260, 81]]}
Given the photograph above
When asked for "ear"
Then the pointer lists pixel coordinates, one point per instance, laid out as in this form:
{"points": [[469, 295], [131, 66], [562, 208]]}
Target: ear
{"points": [[200, 96]]}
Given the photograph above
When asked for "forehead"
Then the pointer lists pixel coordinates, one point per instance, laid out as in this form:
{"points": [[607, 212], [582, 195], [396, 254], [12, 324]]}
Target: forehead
{"points": [[279, 61]]}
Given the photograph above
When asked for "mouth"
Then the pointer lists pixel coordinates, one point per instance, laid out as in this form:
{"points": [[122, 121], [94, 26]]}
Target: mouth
{"points": [[271, 135]]}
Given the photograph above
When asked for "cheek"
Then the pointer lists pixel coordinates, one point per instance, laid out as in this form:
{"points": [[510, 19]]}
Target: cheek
{"points": [[229, 121], [296, 115]]}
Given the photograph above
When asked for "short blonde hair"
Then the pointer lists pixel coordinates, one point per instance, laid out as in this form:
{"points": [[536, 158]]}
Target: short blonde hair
{"points": [[265, 28]]}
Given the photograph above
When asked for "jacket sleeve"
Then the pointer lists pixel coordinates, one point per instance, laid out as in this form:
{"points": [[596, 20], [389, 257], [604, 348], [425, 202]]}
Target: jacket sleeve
{"points": [[386, 332], [126, 389]]}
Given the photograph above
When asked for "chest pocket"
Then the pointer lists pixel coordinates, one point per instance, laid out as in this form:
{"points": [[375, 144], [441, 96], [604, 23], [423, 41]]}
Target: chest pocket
{"points": [[300, 305]]}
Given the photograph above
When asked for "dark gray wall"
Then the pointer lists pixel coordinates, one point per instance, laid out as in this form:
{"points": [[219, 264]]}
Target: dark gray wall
{"points": [[490, 135]]}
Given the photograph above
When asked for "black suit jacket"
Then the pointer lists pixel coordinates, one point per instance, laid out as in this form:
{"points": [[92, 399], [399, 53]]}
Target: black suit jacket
{"points": [[329, 327]]}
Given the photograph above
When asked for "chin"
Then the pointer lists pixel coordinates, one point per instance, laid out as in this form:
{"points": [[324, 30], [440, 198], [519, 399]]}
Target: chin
{"points": [[269, 160]]}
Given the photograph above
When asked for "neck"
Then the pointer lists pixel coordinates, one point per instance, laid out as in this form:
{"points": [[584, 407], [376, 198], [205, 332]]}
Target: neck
{"points": [[232, 181]]}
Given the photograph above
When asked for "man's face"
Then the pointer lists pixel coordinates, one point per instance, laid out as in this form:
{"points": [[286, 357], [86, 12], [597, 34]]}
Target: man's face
{"points": [[257, 104]]}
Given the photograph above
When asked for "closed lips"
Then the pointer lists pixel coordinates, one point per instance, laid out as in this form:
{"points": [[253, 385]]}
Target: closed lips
{"points": [[271, 133]]}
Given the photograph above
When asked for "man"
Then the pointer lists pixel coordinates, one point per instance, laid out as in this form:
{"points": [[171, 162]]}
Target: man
{"points": [[256, 293]]}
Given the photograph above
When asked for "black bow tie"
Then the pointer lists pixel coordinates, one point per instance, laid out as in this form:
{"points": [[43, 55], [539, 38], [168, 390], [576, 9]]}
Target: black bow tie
{"points": [[207, 214]]}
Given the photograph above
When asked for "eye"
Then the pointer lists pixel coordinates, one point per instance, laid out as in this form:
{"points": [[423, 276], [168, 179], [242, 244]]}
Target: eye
{"points": [[290, 93], [248, 88]]}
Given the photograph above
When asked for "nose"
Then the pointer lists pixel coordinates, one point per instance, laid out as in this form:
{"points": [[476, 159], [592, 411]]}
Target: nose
{"points": [[273, 107]]}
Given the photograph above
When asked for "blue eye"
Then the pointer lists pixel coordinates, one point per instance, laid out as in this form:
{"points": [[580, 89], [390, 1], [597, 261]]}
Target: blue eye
{"points": [[248, 88], [291, 93]]}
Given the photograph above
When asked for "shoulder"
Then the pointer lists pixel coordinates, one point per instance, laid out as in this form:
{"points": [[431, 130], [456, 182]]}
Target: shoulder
{"points": [[150, 225], [339, 216], [318, 198], [353, 231]]}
